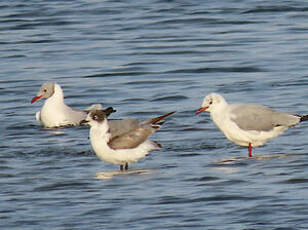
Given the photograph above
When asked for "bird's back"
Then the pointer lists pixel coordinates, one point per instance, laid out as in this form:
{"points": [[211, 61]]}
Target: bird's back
{"points": [[260, 118]]}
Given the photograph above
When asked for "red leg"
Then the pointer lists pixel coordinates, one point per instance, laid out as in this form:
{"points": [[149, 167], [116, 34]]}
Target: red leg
{"points": [[249, 150], [121, 167]]}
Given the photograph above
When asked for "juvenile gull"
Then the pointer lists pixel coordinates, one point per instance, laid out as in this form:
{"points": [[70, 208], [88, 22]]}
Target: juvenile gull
{"points": [[247, 124], [55, 113], [122, 142]]}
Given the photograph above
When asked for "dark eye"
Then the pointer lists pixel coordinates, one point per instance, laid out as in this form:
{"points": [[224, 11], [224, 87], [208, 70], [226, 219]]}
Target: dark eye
{"points": [[44, 90], [211, 102]]}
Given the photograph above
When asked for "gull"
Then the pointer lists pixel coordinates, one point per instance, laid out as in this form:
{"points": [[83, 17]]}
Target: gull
{"points": [[55, 113], [122, 142], [248, 124]]}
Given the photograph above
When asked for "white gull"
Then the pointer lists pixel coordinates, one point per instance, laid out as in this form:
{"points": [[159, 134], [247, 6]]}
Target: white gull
{"points": [[122, 142], [55, 113], [247, 124]]}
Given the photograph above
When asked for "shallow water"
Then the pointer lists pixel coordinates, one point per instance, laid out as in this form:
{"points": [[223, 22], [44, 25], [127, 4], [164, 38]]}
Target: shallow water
{"points": [[146, 58]]}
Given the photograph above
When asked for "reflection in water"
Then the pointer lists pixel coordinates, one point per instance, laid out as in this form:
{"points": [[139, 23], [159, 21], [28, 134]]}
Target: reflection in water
{"points": [[232, 160], [111, 174]]}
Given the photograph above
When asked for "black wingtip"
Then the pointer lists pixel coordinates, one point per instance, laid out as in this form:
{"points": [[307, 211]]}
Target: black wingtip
{"points": [[83, 122], [159, 119], [303, 118], [158, 144], [109, 111]]}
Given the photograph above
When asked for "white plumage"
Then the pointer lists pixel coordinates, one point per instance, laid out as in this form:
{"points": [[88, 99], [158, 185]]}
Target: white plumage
{"points": [[247, 124], [124, 146], [54, 112]]}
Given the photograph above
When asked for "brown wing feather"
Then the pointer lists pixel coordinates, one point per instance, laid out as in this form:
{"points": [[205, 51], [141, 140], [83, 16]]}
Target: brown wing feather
{"points": [[127, 135], [132, 138], [120, 127], [155, 120]]}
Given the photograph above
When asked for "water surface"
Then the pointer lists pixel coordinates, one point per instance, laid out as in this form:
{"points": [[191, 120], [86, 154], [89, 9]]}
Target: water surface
{"points": [[146, 58]]}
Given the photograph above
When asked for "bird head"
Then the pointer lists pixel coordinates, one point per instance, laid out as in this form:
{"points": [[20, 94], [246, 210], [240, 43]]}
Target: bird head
{"points": [[46, 91], [210, 102]]}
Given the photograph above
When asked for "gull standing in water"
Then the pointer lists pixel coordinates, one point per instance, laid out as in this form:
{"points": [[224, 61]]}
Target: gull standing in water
{"points": [[248, 124], [55, 113], [122, 142]]}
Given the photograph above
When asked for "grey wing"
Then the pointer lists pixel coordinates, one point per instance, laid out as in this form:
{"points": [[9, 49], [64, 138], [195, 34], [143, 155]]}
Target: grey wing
{"points": [[132, 138], [119, 127], [75, 116], [260, 118]]}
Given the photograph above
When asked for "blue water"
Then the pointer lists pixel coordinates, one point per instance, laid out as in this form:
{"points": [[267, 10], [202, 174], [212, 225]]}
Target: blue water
{"points": [[146, 58]]}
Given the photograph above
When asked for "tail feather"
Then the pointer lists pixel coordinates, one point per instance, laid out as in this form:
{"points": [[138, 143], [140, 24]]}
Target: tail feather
{"points": [[303, 118], [155, 121]]}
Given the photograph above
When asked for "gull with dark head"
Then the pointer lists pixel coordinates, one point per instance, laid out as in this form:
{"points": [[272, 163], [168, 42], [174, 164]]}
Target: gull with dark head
{"points": [[122, 142], [55, 113], [248, 124]]}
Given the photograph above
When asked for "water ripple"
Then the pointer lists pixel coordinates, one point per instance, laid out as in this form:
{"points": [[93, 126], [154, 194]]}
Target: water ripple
{"points": [[147, 58]]}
